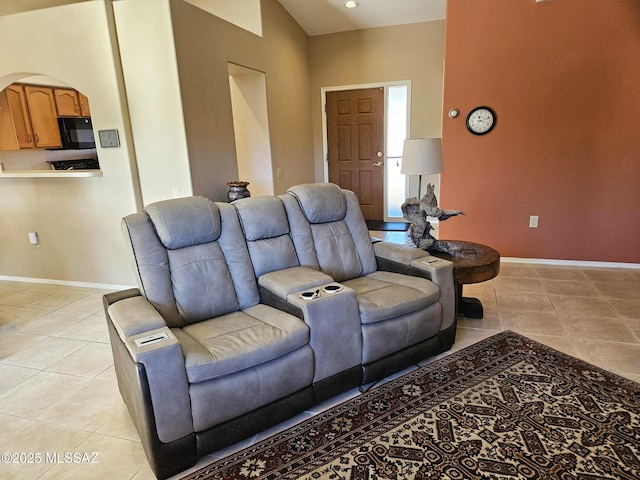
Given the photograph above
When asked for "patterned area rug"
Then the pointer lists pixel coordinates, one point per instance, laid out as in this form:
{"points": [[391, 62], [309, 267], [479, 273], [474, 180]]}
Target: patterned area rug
{"points": [[504, 408]]}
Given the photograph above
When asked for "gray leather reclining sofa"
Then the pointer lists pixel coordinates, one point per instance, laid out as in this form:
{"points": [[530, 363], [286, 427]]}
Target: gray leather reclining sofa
{"points": [[217, 344]]}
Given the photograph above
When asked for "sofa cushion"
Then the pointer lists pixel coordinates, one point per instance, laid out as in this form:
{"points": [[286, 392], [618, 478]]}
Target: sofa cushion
{"points": [[189, 221], [320, 202], [266, 230], [239, 340], [385, 295], [262, 217]]}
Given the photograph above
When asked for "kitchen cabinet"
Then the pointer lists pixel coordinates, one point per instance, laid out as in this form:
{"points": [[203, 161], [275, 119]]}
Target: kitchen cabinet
{"points": [[85, 111], [44, 121], [20, 114], [71, 103], [67, 104], [8, 140]]}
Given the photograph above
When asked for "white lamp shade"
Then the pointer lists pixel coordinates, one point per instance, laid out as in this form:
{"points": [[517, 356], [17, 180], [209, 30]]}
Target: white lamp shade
{"points": [[421, 156]]}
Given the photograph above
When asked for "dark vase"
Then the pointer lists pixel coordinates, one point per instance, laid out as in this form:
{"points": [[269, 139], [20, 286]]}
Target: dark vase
{"points": [[237, 190]]}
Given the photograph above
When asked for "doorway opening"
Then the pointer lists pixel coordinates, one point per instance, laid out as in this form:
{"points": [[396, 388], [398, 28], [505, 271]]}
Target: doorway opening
{"points": [[251, 128], [396, 118]]}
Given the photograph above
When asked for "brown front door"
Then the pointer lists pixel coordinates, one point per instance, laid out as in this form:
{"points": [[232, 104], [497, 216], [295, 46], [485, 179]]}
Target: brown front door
{"points": [[355, 131]]}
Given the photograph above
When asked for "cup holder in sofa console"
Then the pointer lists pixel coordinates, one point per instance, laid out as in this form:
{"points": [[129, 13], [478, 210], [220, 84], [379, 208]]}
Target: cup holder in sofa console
{"points": [[332, 288], [310, 294]]}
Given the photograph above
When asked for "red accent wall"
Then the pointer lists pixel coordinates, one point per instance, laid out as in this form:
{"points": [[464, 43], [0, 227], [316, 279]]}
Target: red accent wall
{"points": [[564, 79]]}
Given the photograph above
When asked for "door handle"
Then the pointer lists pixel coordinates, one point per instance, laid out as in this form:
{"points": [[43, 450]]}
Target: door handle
{"points": [[377, 164]]}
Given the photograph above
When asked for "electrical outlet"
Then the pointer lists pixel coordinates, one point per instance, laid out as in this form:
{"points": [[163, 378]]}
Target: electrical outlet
{"points": [[279, 172], [533, 221], [176, 192]]}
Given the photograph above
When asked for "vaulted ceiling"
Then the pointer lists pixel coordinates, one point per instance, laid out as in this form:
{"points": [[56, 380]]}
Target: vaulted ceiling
{"points": [[316, 17]]}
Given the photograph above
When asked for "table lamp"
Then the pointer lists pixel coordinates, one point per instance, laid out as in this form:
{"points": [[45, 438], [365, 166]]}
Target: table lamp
{"points": [[421, 156]]}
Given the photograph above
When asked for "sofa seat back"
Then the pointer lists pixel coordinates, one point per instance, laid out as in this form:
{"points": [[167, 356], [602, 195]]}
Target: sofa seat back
{"points": [[266, 231], [190, 259], [329, 231]]}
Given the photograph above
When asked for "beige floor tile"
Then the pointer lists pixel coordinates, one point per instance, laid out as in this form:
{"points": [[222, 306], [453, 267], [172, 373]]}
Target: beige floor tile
{"points": [[10, 376], [560, 273], [517, 284], [7, 290], [12, 343], [468, 336], [598, 328], [38, 438], [52, 322], [517, 270], [58, 300], [615, 275], [524, 301], [120, 425], [44, 352], [90, 305], [90, 329], [106, 457], [44, 389], [10, 424], [582, 306], [560, 343], [532, 322], [88, 361], [27, 296], [620, 358], [625, 291], [14, 318], [490, 320], [88, 408], [570, 288], [629, 309], [108, 374]]}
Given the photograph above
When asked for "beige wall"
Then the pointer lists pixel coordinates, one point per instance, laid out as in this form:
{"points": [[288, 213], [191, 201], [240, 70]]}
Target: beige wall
{"points": [[77, 219], [408, 52], [145, 41], [204, 46]]}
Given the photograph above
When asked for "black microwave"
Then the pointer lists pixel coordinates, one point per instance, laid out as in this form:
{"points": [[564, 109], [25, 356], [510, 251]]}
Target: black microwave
{"points": [[76, 133]]}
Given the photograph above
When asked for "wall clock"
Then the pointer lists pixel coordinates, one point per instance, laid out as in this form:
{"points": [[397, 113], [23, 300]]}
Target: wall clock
{"points": [[481, 120]]}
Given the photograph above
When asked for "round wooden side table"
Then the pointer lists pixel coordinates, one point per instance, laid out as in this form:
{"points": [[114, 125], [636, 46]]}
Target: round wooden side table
{"points": [[472, 263]]}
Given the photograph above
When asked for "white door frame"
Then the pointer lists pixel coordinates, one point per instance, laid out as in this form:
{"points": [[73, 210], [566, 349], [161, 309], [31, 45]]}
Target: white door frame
{"points": [[325, 148]]}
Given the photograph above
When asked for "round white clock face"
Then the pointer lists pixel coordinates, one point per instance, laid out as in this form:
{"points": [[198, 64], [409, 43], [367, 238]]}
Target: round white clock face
{"points": [[481, 120]]}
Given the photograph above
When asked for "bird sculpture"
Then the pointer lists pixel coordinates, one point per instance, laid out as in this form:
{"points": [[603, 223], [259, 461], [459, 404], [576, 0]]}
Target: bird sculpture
{"points": [[416, 212]]}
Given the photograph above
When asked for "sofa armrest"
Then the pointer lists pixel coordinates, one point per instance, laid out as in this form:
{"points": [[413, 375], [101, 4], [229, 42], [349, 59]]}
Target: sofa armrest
{"points": [[134, 318], [409, 260]]}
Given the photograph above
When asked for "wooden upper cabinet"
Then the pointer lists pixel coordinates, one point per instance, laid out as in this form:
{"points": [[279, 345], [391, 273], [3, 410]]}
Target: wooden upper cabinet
{"points": [[20, 113], [85, 111], [71, 103], [8, 139], [67, 103], [42, 109]]}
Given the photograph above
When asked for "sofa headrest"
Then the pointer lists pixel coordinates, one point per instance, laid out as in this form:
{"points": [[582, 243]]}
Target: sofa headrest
{"points": [[183, 222], [320, 202], [262, 217]]}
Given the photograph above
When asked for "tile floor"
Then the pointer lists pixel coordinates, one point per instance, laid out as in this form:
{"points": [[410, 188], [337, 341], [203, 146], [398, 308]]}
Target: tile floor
{"points": [[58, 391]]}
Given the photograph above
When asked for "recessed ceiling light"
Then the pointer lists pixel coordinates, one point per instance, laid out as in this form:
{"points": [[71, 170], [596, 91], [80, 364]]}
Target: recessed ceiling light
{"points": [[351, 4]]}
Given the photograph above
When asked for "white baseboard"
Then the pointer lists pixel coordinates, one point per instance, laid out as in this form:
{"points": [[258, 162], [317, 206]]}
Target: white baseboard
{"points": [[569, 263], [102, 286]]}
